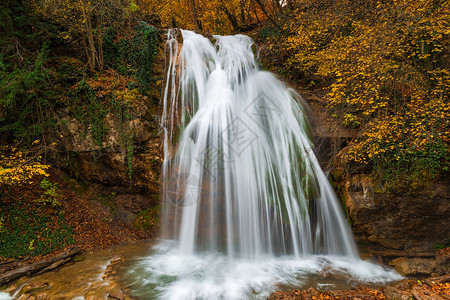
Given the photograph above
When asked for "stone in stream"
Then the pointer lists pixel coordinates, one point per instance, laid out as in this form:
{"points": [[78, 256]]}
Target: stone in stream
{"points": [[413, 266]]}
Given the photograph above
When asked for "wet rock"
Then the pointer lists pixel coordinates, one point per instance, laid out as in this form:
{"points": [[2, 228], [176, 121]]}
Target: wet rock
{"points": [[329, 135], [443, 264], [360, 201], [413, 266], [111, 170], [40, 296], [35, 287], [412, 220], [116, 296]]}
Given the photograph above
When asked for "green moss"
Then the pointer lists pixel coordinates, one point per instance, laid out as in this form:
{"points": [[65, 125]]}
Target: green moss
{"points": [[78, 258], [133, 55], [89, 110], [147, 219], [34, 288]]}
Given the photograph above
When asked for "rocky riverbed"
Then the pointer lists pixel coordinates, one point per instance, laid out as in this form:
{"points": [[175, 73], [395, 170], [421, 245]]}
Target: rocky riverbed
{"points": [[103, 275]]}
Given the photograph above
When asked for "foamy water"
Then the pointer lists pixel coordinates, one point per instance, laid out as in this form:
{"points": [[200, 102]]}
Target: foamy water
{"points": [[5, 296], [168, 275]]}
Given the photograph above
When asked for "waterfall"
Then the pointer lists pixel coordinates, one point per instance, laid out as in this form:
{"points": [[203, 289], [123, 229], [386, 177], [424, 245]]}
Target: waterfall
{"points": [[246, 206], [240, 175]]}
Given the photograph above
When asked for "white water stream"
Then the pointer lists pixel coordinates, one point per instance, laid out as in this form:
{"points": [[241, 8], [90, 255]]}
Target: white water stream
{"points": [[247, 208]]}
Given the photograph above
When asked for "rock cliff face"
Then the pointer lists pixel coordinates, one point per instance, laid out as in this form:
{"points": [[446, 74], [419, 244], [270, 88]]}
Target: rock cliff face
{"points": [[414, 220], [107, 173], [128, 172], [109, 166]]}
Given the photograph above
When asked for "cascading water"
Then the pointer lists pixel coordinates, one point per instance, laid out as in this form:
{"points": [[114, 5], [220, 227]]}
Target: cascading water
{"points": [[246, 204], [243, 176]]}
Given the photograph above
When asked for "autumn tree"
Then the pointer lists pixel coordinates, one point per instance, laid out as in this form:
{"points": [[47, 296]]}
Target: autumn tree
{"points": [[198, 25], [383, 67], [215, 16]]}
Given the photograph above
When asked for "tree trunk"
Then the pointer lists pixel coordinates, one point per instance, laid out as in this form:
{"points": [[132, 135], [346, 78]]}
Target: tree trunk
{"points": [[231, 17], [256, 14], [198, 25], [89, 46], [41, 266], [263, 8], [91, 43], [95, 58], [242, 10]]}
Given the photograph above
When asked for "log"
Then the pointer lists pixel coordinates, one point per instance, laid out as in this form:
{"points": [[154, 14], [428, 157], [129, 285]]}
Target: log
{"points": [[44, 265], [8, 262]]}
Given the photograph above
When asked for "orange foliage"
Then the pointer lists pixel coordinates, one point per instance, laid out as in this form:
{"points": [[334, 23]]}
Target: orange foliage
{"points": [[384, 69], [215, 15]]}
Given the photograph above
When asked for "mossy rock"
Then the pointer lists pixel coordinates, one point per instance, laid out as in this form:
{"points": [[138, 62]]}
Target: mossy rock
{"points": [[71, 70], [34, 287], [147, 219], [78, 258]]}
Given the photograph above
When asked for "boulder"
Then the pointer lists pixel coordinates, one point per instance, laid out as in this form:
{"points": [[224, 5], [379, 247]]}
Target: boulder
{"points": [[410, 220], [414, 266], [394, 293], [443, 264]]}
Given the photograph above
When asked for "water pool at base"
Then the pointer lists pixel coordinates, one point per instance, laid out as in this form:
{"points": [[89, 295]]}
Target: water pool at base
{"points": [[165, 274]]}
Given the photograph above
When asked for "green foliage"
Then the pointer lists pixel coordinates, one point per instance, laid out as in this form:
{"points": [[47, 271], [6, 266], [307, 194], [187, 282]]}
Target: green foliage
{"points": [[269, 32], [411, 167], [438, 246], [26, 99], [148, 35], [89, 110], [70, 71], [50, 194], [26, 102], [26, 230], [146, 219], [22, 30], [133, 56]]}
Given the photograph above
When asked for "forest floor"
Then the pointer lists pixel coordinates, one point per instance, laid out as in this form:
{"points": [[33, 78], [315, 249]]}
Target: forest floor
{"points": [[91, 221], [434, 288]]}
